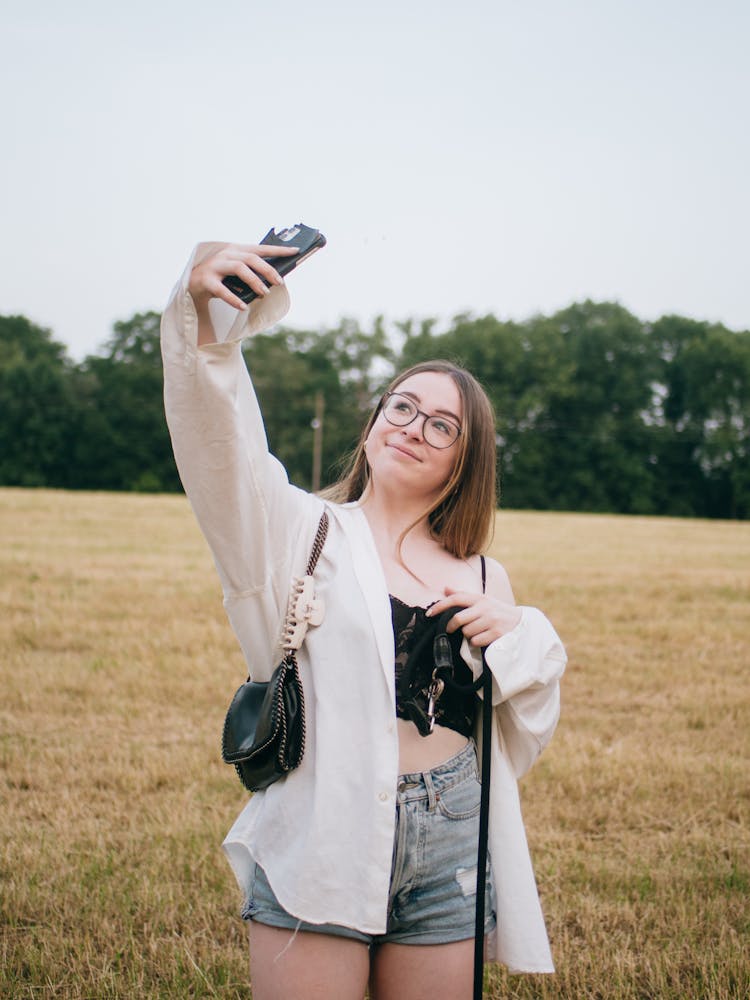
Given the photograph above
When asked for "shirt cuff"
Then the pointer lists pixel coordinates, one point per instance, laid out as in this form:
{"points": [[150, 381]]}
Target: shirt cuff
{"points": [[230, 325], [529, 656]]}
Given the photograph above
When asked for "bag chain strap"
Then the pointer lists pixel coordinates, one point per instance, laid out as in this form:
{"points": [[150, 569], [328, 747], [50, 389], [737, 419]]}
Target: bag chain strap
{"points": [[318, 544]]}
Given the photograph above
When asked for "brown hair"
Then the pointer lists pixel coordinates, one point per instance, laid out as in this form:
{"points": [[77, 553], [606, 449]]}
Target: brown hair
{"points": [[462, 516]]}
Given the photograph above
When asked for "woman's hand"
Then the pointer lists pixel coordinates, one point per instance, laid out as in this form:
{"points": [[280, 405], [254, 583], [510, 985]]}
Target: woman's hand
{"points": [[244, 261], [482, 618]]}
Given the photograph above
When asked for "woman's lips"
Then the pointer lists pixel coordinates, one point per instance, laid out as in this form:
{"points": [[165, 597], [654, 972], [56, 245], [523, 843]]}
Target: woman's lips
{"points": [[404, 451]]}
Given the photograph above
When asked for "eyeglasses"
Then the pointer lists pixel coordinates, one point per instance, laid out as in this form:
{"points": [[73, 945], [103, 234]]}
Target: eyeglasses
{"points": [[438, 432]]}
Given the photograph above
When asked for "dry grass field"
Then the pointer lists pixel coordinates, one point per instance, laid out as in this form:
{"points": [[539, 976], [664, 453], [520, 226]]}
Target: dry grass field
{"points": [[117, 664]]}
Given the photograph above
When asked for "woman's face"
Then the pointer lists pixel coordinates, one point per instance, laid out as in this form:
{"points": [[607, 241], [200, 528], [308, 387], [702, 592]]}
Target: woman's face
{"points": [[400, 456]]}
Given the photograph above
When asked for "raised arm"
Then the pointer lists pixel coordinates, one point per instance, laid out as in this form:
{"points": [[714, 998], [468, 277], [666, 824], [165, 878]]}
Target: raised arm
{"points": [[251, 516]]}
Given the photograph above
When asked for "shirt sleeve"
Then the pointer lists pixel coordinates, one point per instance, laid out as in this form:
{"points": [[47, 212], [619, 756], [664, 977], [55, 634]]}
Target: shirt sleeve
{"points": [[526, 664], [251, 516]]}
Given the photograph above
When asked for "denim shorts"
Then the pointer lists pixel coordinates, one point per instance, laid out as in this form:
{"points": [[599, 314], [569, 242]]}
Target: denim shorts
{"points": [[434, 868]]}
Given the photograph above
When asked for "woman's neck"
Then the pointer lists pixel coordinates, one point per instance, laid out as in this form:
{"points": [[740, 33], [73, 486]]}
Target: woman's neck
{"points": [[415, 564], [392, 517]]}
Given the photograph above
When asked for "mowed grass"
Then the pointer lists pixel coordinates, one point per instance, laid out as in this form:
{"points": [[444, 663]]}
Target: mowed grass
{"points": [[118, 663]]}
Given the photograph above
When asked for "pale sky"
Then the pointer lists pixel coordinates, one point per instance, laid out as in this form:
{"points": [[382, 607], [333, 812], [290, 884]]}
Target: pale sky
{"points": [[505, 157]]}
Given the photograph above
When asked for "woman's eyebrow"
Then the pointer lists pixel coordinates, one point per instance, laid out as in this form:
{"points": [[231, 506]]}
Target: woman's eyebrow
{"points": [[418, 401]]}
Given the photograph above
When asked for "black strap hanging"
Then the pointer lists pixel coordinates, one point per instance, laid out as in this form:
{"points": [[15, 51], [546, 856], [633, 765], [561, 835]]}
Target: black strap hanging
{"points": [[444, 669], [484, 817]]}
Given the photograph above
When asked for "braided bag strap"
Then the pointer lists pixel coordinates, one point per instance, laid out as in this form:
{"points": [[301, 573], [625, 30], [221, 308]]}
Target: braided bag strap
{"points": [[317, 547]]}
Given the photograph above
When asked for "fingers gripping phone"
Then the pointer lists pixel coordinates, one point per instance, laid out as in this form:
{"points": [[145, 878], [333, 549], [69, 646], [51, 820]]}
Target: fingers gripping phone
{"points": [[308, 240]]}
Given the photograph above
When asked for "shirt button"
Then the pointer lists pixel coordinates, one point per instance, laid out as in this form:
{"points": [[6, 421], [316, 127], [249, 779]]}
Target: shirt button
{"points": [[383, 796]]}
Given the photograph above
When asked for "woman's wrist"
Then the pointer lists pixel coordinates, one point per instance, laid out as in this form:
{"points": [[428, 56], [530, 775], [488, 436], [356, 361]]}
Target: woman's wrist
{"points": [[206, 332]]}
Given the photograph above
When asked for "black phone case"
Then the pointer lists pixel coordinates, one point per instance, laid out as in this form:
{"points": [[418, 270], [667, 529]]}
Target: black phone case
{"points": [[307, 239]]}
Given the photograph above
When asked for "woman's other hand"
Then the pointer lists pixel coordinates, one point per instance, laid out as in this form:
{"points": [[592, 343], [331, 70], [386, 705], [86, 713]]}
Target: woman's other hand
{"points": [[483, 617], [246, 261]]}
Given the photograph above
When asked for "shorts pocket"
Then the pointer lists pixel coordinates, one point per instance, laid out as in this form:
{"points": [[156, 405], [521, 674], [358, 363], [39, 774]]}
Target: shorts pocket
{"points": [[462, 800]]}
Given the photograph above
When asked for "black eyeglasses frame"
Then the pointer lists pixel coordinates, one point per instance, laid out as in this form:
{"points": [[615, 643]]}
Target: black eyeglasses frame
{"points": [[420, 413]]}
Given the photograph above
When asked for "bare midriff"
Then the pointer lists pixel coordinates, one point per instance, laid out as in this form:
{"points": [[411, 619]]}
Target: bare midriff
{"points": [[420, 753]]}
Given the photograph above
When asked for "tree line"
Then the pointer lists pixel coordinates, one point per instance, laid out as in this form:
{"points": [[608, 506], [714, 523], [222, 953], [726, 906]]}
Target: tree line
{"points": [[596, 409]]}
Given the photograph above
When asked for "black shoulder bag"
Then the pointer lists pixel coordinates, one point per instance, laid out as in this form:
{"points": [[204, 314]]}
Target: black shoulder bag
{"points": [[264, 728]]}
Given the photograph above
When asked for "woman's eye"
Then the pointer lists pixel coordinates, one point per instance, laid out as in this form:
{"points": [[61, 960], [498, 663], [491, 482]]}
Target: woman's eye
{"points": [[402, 406], [442, 427]]}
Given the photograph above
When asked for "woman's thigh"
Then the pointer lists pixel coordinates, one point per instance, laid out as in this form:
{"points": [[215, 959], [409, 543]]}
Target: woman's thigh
{"points": [[285, 965], [423, 972]]}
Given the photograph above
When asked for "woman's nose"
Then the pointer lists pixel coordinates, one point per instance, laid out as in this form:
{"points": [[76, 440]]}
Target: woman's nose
{"points": [[415, 429]]}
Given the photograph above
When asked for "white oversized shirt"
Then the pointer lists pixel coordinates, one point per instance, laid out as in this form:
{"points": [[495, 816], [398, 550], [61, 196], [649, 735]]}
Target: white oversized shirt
{"points": [[324, 834]]}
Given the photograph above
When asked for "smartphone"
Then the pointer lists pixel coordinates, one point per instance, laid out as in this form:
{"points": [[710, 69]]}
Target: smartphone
{"points": [[307, 239]]}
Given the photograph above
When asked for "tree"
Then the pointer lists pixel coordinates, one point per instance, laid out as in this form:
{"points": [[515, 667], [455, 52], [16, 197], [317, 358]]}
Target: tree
{"points": [[36, 405], [704, 418], [595, 409], [569, 392], [122, 441], [597, 415], [290, 367]]}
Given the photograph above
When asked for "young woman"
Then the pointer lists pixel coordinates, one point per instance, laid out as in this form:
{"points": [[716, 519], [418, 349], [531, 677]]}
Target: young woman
{"points": [[360, 866]]}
